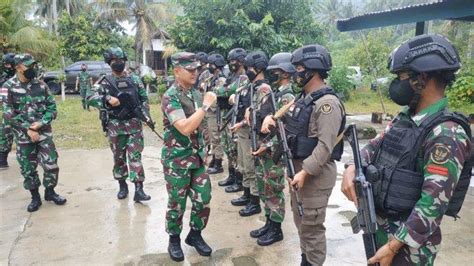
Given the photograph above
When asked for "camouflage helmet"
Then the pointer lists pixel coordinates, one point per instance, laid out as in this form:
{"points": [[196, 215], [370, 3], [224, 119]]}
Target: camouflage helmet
{"points": [[257, 60], [114, 53], [281, 61], [238, 54], [8, 58], [216, 59], [202, 57], [24, 59], [313, 56], [425, 53]]}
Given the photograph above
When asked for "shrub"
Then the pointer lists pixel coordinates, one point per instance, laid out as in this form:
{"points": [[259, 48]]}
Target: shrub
{"points": [[340, 82], [462, 91]]}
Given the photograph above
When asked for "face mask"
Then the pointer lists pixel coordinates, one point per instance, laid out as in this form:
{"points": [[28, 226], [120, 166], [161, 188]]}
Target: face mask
{"points": [[401, 91], [301, 78], [10, 71], [212, 69], [30, 73], [118, 66], [251, 75], [273, 78], [233, 67], [83, 70]]}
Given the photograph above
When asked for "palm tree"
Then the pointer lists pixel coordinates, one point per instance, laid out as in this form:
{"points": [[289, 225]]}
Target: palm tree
{"points": [[17, 33], [146, 17]]}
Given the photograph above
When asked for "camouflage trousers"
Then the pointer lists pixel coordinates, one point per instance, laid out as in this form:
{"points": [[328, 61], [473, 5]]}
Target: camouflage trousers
{"points": [[84, 93], [181, 183], [28, 156], [407, 255], [6, 138], [271, 183], [127, 151], [214, 135], [230, 147]]}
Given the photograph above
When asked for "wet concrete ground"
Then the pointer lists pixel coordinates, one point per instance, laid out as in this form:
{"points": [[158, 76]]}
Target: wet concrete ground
{"points": [[94, 228]]}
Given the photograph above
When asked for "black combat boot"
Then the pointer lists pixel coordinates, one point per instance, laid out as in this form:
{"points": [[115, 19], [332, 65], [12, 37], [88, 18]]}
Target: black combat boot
{"points": [[123, 191], [242, 200], [3, 160], [139, 193], [50, 195], [174, 248], [195, 240], [262, 230], [216, 168], [211, 164], [229, 180], [253, 207], [35, 200], [237, 186], [304, 261], [274, 234]]}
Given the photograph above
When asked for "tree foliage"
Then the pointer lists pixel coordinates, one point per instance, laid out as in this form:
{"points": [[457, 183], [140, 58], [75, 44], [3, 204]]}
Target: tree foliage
{"points": [[270, 26], [83, 37]]}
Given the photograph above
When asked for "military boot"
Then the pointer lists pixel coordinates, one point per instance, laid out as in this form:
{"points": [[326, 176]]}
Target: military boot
{"points": [[237, 186], [253, 207], [35, 200], [174, 248], [242, 200], [229, 180], [262, 230], [123, 191], [304, 261], [195, 240], [3, 160], [139, 193], [216, 168], [211, 164], [274, 234], [51, 195]]}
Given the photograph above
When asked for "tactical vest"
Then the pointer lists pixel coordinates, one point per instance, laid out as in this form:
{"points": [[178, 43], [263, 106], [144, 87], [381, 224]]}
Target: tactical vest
{"points": [[297, 124], [244, 102], [396, 178], [189, 107], [124, 88]]}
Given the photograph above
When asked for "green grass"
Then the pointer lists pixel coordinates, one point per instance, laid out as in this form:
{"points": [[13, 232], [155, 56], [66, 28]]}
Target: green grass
{"points": [[75, 128]]}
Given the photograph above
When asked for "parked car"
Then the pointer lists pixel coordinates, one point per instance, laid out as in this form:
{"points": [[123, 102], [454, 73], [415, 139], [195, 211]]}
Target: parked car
{"points": [[95, 69], [355, 75]]}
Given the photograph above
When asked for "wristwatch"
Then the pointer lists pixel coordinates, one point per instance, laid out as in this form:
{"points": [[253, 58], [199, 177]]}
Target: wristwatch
{"points": [[205, 107]]}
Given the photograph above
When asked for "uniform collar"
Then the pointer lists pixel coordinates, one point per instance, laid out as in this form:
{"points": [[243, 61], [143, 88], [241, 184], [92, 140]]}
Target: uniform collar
{"points": [[425, 113]]}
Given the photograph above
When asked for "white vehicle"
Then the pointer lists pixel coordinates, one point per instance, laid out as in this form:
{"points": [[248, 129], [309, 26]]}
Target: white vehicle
{"points": [[355, 75]]}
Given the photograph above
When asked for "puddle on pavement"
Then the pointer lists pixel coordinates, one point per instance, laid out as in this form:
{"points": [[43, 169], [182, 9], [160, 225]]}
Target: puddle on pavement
{"points": [[333, 206], [93, 188], [348, 214], [244, 261]]}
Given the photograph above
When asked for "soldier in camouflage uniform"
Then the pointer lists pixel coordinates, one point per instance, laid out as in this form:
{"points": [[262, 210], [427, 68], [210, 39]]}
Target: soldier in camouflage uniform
{"points": [[273, 181], [437, 168], [84, 81], [6, 135], [183, 156], [123, 128], [30, 108], [236, 80]]}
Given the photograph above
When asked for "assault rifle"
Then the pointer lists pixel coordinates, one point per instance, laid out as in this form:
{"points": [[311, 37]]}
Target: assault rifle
{"points": [[253, 126], [365, 219]]}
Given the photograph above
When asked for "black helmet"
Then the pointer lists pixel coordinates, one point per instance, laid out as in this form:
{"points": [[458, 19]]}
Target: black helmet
{"points": [[281, 61], [202, 56], [313, 56], [9, 58], [238, 54], [257, 60], [425, 53], [114, 53], [216, 59]]}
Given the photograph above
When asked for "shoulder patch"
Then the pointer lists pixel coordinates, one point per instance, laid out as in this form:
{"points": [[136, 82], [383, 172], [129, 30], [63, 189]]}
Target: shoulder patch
{"points": [[440, 153], [326, 108]]}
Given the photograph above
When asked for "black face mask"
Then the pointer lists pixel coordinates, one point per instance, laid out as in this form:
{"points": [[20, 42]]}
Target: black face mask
{"points": [[118, 66], [212, 69], [233, 67], [302, 78], [273, 78], [10, 71], [401, 91], [251, 75], [83, 69], [30, 73]]}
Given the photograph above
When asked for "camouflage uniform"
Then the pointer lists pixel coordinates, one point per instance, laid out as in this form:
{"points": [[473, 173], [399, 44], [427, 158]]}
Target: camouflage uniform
{"points": [[24, 105], [272, 183], [125, 136], [84, 87], [420, 231], [6, 135], [213, 131], [183, 162]]}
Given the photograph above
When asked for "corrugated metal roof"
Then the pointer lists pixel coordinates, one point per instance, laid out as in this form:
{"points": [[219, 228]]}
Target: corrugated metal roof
{"points": [[441, 9]]}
